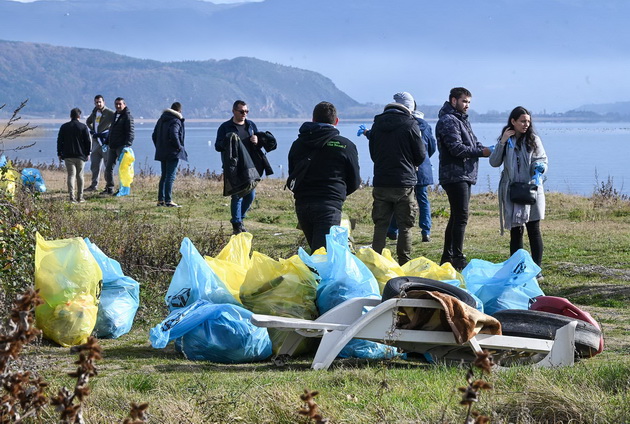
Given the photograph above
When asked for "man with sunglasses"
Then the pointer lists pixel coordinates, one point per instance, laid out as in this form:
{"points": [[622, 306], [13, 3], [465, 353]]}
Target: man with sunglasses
{"points": [[245, 155]]}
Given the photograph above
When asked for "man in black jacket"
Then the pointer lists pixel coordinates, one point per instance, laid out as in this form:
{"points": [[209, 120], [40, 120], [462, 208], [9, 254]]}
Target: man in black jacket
{"points": [[242, 149], [459, 156], [73, 147], [396, 148], [330, 166], [121, 134]]}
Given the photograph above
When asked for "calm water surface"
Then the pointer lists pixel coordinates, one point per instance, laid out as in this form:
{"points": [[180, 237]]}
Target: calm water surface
{"points": [[580, 154]]}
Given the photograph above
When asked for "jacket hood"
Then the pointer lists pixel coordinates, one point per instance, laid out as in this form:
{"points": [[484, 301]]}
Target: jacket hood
{"points": [[173, 112], [448, 109], [393, 117], [313, 134]]}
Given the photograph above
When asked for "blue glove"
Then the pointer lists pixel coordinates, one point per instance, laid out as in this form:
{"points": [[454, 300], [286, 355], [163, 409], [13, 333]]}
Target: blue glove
{"points": [[361, 130], [540, 167], [537, 178], [510, 142], [104, 148], [492, 148]]}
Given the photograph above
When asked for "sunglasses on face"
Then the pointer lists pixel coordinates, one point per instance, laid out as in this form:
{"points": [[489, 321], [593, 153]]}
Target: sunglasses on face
{"points": [[242, 111]]}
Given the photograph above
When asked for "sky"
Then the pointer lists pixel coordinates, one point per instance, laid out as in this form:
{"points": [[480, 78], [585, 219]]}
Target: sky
{"points": [[555, 59]]}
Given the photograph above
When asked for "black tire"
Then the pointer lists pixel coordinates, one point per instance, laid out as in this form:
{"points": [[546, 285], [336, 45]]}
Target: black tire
{"points": [[543, 325], [398, 285]]}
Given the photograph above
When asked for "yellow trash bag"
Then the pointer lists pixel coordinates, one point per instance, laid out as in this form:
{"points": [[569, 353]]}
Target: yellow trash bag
{"points": [[69, 323], [67, 276], [232, 263], [384, 267], [125, 171], [284, 288], [426, 268], [8, 178]]}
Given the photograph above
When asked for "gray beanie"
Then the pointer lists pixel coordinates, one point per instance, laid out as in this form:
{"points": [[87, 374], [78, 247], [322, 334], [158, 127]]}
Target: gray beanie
{"points": [[405, 99]]}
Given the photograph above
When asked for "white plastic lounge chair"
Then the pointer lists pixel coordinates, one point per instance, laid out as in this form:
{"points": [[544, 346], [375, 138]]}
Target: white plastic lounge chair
{"points": [[348, 321]]}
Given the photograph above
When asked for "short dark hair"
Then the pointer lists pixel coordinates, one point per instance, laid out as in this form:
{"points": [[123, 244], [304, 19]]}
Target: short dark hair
{"points": [[75, 113], [98, 96], [238, 103], [325, 113], [176, 106], [458, 92], [120, 98]]}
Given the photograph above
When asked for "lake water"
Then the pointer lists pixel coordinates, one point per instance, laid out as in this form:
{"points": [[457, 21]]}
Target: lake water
{"points": [[580, 154]]}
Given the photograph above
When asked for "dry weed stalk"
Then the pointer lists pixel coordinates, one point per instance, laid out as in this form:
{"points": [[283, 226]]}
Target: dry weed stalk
{"points": [[137, 413], [470, 393], [24, 394], [311, 409], [65, 401]]}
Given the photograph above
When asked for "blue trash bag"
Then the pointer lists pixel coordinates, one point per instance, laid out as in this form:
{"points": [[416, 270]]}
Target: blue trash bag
{"points": [[345, 277], [507, 285], [194, 279], [3, 160], [218, 333], [120, 297], [32, 179]]}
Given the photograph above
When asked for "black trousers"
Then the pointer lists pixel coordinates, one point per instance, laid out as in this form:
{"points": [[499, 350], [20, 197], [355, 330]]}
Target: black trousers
{"points": [[535, 240], [458, 199], [315, 220]]}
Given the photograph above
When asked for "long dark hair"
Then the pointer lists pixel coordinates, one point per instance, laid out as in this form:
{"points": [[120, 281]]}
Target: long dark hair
{"points": [[529, 138]]}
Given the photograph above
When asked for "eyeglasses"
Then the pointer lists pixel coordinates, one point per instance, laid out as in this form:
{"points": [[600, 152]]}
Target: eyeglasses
{"points": [[242, 111]]}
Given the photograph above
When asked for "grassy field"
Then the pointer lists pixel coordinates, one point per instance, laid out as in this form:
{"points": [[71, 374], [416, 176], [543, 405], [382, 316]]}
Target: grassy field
{"points": [[587, 260]]}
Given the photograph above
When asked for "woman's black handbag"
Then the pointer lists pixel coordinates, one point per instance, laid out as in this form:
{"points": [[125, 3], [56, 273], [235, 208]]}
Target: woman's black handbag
{"points": [[523, 193]]}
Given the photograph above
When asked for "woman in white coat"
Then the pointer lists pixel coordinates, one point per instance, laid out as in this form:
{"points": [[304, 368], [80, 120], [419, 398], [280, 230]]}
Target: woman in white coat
{"points": [[523, 157]]}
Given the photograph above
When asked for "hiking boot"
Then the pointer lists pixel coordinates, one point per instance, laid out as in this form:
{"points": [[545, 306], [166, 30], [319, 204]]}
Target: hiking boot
{"points": [[237, 228], [459, 263], [426, 238], [107, 192]]}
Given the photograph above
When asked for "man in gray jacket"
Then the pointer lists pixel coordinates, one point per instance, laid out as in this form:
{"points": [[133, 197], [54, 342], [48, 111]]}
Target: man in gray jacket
{"points": [[98, 123]]}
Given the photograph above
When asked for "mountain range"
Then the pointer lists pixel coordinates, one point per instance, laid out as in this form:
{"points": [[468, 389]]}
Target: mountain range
{"points": [[56, 79]]}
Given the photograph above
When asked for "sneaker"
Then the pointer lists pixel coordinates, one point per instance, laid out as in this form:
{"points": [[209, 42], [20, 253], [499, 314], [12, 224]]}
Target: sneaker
{"points": [[426, 238], [91, 188], [160, 204], [81, 200], [540, 277], [172, 205], [392, 236]]}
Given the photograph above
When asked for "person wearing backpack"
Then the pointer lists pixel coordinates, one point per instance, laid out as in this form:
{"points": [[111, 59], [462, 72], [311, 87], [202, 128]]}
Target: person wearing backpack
{"points": [[323, 171]]}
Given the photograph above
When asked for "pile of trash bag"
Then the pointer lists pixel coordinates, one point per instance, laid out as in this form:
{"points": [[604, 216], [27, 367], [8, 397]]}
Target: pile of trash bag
{"points": [[69, 281]]}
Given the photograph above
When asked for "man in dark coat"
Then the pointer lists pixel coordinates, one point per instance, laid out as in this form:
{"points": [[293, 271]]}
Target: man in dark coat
{"points": [[236, 165], [73, 147], [168, 138], [396, 148], [121, 135], [459, 156], [331, 174]]}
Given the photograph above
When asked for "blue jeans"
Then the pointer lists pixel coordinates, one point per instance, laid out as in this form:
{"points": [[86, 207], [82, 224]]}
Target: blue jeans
{"points": [[165, 188], [424, 207], [240, 205]]}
